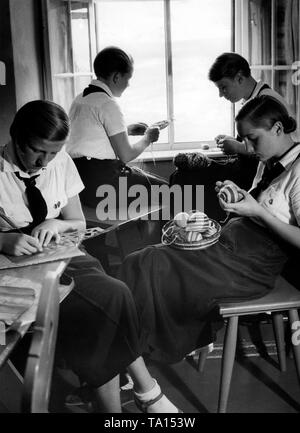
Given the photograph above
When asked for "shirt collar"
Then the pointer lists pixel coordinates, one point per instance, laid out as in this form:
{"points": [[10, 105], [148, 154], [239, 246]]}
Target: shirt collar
{"points": [[255, 91], [104, 86], [287, 160]]}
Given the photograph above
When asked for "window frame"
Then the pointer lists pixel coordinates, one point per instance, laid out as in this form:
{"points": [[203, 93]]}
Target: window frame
{"points": [[93, 13], [242, 43], [48, 70], [242, 46]]}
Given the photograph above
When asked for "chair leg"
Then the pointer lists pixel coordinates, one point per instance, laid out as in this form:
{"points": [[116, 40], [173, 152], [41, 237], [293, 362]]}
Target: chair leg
{"points": [[279, 337], [202, 358], [294, 324], [227, 362]]}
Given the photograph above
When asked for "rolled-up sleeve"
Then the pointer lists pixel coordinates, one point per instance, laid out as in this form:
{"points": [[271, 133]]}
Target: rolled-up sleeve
{"points": [[112, 118]]}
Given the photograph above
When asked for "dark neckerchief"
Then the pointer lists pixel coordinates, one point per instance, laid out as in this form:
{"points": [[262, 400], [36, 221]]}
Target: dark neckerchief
{"points": [[93, 89], [36, 203]]}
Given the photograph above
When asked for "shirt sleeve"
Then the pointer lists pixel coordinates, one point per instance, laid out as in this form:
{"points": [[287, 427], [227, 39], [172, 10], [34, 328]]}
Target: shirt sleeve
{"points": [[112, 118]]}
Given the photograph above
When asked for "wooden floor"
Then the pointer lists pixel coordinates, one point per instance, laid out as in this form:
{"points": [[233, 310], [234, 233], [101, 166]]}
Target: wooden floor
{"points": [[258, 386]]}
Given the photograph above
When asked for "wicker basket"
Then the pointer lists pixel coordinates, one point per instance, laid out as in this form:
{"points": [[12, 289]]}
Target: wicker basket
{"points": [[175, 237]]}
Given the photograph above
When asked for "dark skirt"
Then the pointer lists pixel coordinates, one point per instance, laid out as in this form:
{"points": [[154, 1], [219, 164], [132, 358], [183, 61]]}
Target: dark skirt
{"points": [[97, 172], [98, 333], [177, 291]]}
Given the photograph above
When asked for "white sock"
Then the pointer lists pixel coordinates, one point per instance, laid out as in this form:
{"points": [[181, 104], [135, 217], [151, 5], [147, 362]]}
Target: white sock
{"points": [[163, 405], [149, 395]]}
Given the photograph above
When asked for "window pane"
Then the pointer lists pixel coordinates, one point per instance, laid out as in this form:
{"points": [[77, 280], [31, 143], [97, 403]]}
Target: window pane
{"points": [[201, 30], [287, 32], [69, 48], [81, 83], [138, 28], [287, 85], [80, 37], [63, 91], [59, 37], [260, 32], [264, 75]]}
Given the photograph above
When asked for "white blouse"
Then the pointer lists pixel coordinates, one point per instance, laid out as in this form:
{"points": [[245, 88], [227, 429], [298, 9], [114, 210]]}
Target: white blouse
{"points": [[58, 182], [94, 118], [282, 197]]}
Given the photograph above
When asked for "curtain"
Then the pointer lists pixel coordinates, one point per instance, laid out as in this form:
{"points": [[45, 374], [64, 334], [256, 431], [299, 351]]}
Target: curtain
{"points": [[292, 54], [260, 36]]}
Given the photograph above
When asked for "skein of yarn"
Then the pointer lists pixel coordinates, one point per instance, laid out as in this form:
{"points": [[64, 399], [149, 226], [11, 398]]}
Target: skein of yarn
{"points": [[191, 161]]}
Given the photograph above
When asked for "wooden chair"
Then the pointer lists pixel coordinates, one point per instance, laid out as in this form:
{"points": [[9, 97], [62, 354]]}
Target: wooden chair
{"points": [[283, 298], [38, 372]]}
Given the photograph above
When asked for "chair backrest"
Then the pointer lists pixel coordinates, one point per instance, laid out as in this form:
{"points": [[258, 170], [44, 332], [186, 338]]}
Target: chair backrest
{"points": [[39, 367]]}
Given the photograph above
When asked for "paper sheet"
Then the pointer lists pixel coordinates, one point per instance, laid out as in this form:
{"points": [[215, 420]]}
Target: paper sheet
{"points": [[49, 254], [24, 305], [67, 248]]}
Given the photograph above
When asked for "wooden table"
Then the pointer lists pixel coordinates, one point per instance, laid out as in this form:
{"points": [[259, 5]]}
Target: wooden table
{"points": [[130, 234], [10, 380]]}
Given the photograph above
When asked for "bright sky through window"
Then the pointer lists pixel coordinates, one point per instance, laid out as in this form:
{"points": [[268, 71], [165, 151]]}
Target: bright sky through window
{"points": [[200, 31]]}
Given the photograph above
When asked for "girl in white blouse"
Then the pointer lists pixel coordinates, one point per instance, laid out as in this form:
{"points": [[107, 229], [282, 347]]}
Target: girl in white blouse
{"points": [[99, 142], [180, 304]]}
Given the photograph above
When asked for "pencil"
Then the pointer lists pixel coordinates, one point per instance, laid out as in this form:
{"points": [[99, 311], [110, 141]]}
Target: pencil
{"points": [[9, 221]]}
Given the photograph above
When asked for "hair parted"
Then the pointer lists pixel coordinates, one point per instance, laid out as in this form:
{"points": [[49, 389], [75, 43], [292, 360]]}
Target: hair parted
{"points": [[112, 59], [227, 65], [264, 111], [40, 120]]}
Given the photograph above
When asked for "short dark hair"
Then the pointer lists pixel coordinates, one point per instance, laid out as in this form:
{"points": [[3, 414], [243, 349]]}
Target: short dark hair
{"points": [[39, 120], [263, 111], [227, 65], [112, 59]]}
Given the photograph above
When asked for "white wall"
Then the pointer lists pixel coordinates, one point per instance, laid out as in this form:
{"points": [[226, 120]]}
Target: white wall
{"points": [[26, 49]]}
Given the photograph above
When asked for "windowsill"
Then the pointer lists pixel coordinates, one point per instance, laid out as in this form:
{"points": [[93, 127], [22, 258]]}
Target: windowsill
{"points": [[164, 155]]}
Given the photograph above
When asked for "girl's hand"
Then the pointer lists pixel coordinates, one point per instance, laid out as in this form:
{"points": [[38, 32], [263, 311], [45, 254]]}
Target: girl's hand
{"points": [[137, 128], [248, 206], [229, 144], [46, 231], [18, 244], [220, 184], [152, 134]]}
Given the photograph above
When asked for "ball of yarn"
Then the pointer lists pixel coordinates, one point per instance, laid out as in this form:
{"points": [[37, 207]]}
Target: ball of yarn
{"points": [[230, 194], [193, 236], [205, 146], [181, 218], [198, 222], [212, 229]]}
